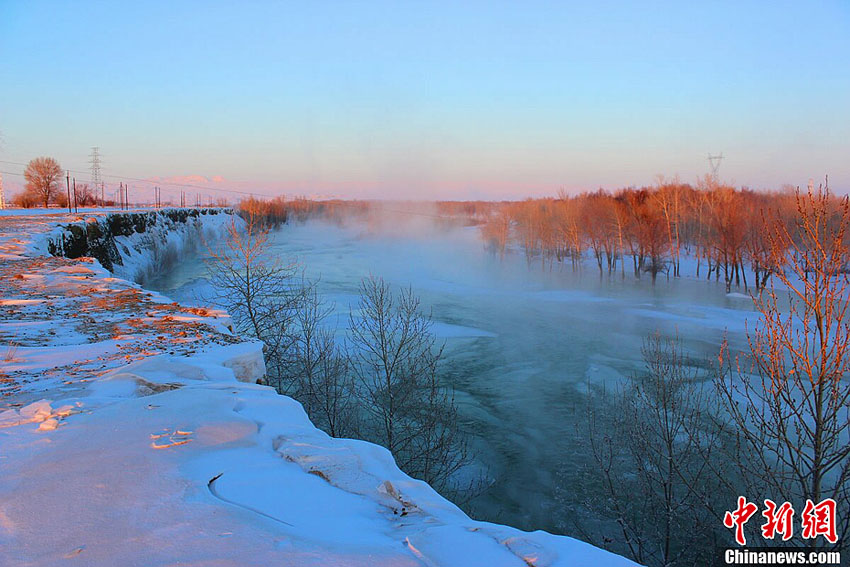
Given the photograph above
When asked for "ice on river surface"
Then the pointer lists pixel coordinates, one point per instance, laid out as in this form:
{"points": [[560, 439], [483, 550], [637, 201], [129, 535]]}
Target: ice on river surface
{"points": [[522, 341]]}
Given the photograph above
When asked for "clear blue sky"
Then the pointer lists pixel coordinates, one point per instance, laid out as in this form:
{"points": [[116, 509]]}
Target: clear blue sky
{"points": [[431, 99]]}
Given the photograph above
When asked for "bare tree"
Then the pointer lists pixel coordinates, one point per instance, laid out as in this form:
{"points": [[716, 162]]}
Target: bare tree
{"points": [[43, 179], [320, 369], [86, 197], [651, 460], [25, 200], [496, 230], [647, 232], [395, 360], [728, 224], [668, 197], [261, 295], [790, 398], [599, 226]]}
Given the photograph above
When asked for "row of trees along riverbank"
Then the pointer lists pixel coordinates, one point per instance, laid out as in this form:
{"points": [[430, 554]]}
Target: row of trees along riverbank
{"points": [[721, 228]]}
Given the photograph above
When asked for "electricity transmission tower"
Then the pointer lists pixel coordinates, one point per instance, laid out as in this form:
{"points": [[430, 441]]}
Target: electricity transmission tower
{"points": [[96, 181], [714, 163]]}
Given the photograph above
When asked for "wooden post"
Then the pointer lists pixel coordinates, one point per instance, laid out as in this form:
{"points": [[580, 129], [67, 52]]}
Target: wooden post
{"points": [[68, 187]]}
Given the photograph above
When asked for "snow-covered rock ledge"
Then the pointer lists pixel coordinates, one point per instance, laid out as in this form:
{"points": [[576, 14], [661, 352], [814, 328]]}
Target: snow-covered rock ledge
{"points": [[135, 434], [133, 244]]}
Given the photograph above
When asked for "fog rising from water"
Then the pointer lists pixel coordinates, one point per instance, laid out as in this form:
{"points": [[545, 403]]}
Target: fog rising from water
{"points": [[523, 343]]}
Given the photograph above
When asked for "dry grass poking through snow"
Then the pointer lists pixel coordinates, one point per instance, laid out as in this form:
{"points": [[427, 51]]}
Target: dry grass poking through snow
{"points": [[50, 302]]}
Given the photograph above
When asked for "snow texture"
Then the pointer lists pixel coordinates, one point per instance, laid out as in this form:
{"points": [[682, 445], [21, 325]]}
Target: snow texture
{"points": [[133, 432]]}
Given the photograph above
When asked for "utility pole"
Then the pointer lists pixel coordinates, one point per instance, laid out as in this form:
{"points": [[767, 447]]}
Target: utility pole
{"points": [[76, 210], [94, 162], [68, 188], [2, 202]]}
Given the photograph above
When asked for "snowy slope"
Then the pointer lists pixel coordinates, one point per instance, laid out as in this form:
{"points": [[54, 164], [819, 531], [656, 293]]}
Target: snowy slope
{"points": [[133, 432]]}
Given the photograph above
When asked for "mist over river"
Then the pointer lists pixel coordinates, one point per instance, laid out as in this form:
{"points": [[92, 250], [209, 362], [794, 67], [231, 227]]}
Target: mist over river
{"points": [[523, 343]]}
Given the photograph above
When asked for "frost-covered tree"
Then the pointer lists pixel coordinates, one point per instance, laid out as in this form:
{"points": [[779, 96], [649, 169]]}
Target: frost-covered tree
{"points": [[395, 357], [320, 369], [650, 450]]}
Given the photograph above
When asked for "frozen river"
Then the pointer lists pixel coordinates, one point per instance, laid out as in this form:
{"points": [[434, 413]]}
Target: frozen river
{"points": [[522, 344]]}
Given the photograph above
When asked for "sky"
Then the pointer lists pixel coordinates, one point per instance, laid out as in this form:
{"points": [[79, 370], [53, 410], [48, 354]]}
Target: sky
{"points": [[420, 100]]}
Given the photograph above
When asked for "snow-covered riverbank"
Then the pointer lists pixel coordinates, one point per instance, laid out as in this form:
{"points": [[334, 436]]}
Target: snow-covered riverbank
{"points": [[134, 433]]}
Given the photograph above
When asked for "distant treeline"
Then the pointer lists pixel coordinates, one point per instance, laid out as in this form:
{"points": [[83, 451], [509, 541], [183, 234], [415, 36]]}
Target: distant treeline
{"points": [[718, 226], [641, 231], [280, 210]]}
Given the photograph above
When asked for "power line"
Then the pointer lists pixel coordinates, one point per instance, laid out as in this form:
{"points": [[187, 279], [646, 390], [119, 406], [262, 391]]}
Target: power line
{"points": [[122, 195], [18, 173], [150, 182]]}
